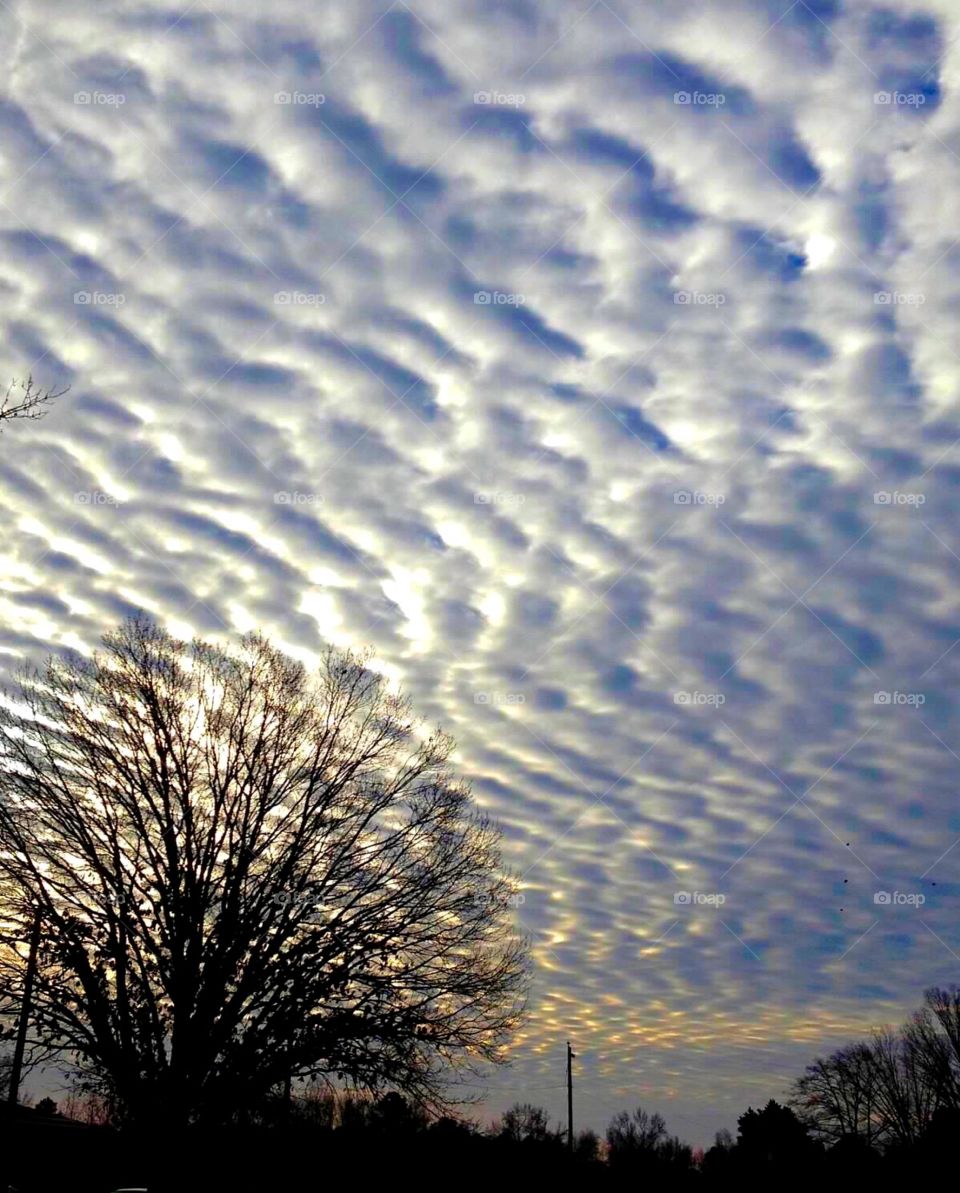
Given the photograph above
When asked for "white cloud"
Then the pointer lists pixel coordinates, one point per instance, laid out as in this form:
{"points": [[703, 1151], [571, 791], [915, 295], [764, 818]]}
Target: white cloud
{"points": [[486, 490]]}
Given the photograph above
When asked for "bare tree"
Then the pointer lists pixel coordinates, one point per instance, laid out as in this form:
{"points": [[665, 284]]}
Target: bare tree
{"points": [[36, 1057], [635, 1136], [87, 1108], [523, 1122], [940, 1049], [894, 1087], [587, 1146], [246, 874], [24, 399], [837, 1096], [888, 1089]]}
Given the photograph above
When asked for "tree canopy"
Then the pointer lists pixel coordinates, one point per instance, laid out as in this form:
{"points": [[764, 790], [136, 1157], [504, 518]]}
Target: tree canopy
{"points": [[247, 873]]}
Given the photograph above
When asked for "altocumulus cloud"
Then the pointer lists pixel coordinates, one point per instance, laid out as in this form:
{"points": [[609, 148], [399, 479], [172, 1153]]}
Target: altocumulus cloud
{"points": [[596, 364]]}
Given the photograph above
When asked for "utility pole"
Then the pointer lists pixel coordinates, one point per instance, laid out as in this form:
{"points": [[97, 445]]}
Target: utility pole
{"points": [[21, 1044], [570, 1058]]}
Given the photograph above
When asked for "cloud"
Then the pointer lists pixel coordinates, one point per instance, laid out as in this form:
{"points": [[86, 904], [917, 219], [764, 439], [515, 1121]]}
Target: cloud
{"points": [[662, 527]]}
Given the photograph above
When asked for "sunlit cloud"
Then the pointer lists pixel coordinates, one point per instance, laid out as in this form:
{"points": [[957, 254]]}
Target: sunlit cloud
{"points": [[595, 365]]}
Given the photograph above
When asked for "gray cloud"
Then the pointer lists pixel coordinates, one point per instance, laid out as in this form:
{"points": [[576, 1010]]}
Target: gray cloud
{"points": [[622, 426]]}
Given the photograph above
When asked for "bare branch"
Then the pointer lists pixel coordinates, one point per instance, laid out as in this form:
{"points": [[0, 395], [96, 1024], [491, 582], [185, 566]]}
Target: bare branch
{"points": [[246, 872], [24, 399]]}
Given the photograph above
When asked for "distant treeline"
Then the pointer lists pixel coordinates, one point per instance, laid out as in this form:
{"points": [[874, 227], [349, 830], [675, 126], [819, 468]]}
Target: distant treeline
{"points": [[889, 1105], [385, 1139]]}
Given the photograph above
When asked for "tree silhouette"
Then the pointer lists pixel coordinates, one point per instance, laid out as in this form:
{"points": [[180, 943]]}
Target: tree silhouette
{"points": [[638, 1144], [88, 1109], [24, 399], [634, 1134], [886, 1091], [935, 1036], [393, 1114], [837, 1096], [586, 1146], [525, 1123], [718, 1161], [246, 873], [774, 1138]]}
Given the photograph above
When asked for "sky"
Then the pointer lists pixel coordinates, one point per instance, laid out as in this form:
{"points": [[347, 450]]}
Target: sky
{"points": [[595, 362]]}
